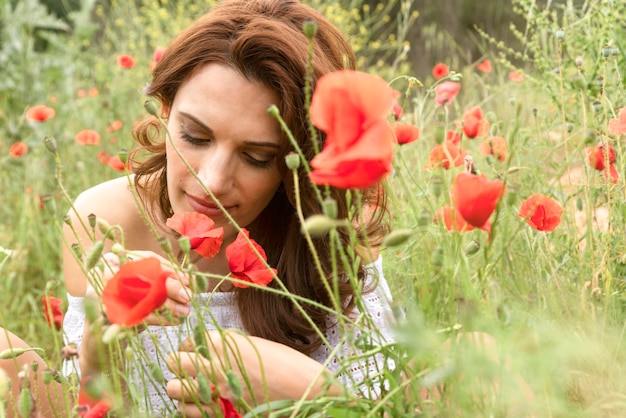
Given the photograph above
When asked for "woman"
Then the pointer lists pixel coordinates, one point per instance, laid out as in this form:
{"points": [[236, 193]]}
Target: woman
{"points": [[215, 84]]}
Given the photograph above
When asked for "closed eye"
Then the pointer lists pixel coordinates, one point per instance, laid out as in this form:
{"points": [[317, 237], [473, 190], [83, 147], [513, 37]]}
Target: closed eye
{"points": [[193, 140]]}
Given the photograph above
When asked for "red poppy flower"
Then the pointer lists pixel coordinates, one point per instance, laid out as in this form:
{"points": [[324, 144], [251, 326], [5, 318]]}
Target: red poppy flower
{"points": [[406, 133], [446, 92], [87, 137], [474, 123], [516, 76], [245, 265], [603, 159], [115, 162], [40, 113], [137, 289], [159, 51], [18, 149], [93, 92], [494, 146], [125, 61], [445, 156], [617, 126], [89, 407], [541, 212], [115, 126], [440, 70], [228, 410], [397, 111], [52, 311], [452, 219], [103, 157], [80, 93], [484, 66], [198, 227], [476, 197], [352, 108], [453, 137]]}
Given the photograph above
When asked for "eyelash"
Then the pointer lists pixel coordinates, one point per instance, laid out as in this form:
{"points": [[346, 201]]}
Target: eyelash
{"points": [[253, 161]]}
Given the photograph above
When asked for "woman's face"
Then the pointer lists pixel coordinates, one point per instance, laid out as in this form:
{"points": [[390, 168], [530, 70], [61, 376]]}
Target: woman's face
{"points": [[219, 123]]}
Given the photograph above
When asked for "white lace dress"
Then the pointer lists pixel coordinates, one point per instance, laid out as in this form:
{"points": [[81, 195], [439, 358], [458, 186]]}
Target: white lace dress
{"points": [[219, 309]]}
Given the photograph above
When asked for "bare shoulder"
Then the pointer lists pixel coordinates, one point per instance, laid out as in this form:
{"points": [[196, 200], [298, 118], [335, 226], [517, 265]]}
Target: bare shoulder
{"points": [[112, 201]]}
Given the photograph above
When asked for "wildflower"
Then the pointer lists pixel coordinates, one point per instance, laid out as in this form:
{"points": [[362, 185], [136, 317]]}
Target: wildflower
{"points": [[87, 137], [245, 264], [159, 51], [135, 291], [484, 66], [228, 410], [440, 70], [494, 146], [397, 111], [476, 197], [116, 125], [474, 123], [446, 155], [453, 137], [18, 149], [602, 158], [103, 157], [452, 219], [52, 311], [115, 162], [93, 92], [125, 61], [352, 108], [406, 133], [88, 405], [617, 126], [80, 93], [541, 212], [446, 92], [516, 76], [198, 227], [40, 113]]}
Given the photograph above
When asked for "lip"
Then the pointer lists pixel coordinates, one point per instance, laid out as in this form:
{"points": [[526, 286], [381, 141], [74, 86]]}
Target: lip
{"points": [[207, 208]]}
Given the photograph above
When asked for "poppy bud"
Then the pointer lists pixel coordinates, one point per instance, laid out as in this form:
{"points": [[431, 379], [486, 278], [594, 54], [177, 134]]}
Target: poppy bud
{"points": [[156, 372], [203, 351], [436, 259], [111, 333], [205, 393], [579, 61], [67, 220], [316, 225], [49, 204], [559, 35], [94, 255], [91, 218], [606, 51], [123, 154], [424, 218], [11, 353], [273, 111], [200, 283], [292, 160], [151, 107], [118, 249], [397, 237], [437, 186], [51, 144], [472, 247], [25, 402], [199, 339], [233, 383], [309, 28], [579, 204], [47, 376], [185, 244], [165, 244], [569, 126], [103, 226], [34, 366], [329, 206], [596, 106]]}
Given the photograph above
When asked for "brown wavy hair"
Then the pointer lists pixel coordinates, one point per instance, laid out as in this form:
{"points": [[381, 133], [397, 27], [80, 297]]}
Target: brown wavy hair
{"points": [[264, 41]]}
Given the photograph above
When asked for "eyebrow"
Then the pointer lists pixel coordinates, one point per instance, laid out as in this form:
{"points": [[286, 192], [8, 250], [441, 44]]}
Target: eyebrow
{"points": [[249, 143]]}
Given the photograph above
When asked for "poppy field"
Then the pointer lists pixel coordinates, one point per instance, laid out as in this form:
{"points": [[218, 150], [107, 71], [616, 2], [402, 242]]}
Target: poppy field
{"points": [[505, 174]]}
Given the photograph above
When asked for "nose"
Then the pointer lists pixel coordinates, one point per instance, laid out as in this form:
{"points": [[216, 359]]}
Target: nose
{"points": [[217, 170]]}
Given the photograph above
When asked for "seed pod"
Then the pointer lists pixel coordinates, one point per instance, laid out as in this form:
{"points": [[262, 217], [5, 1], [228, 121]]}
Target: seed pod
{"points": [[200, 283], [50, 143], [309, 28], [156, 372], [292, 160], [185, 244], [579, 61], [111, 333], [472, 247], [559, 35], [47, 376], [129, 353], [151, 107], [25, 402], [437, 186], [273, 111], [11, 353], [317, 225], [234, 383], [94, 255], [91, 218], [579, 204], [329, 207], [424, 218], [205, 393], [397, 237]]}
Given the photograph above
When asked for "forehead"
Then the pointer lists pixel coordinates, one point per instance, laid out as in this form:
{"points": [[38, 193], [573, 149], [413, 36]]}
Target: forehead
{"points": [[223, 99]]}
